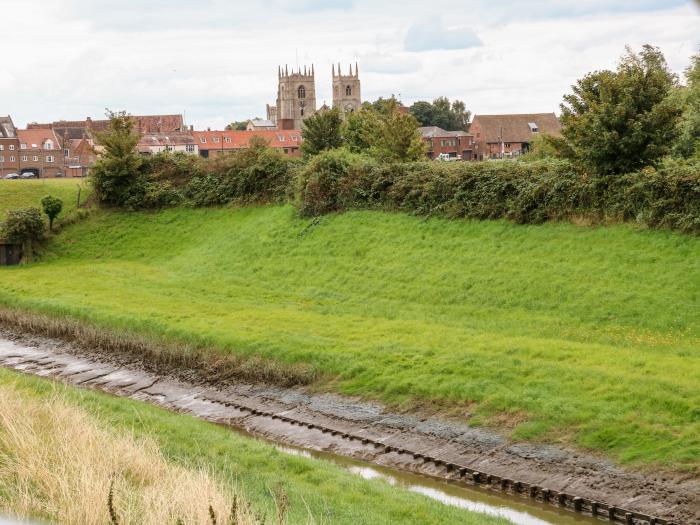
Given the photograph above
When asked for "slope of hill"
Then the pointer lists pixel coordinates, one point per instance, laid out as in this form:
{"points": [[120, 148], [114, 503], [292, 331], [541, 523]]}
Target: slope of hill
{"points": [[554, 332], [26, 193]]}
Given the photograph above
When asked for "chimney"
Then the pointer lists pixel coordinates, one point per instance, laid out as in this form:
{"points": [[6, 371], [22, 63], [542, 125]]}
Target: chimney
{"points": [[208, 129], [191, 127], [88, 122]]}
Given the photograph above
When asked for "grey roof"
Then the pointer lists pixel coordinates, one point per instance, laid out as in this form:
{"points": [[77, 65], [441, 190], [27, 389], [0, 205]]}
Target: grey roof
{"points": [[7, 128], [430, 132], [261, 123]]}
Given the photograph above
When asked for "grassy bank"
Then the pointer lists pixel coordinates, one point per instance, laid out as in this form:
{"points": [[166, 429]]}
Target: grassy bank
{"points": [[554, 332], [25, 193], [60, 447]]}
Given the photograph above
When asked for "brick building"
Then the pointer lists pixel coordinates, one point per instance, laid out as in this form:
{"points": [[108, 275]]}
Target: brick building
{"points": [[79, 155], [9, 147], [175, 141], [41, 153], [455, 144], [505, 136], [212, 143], [78, 129]]}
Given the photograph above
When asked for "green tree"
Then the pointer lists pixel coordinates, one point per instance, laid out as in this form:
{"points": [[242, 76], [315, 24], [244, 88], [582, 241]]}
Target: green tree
{"points": [[237, 125], [23, 226], [52, 207], [688, 97], [117, 175], [396, 137], [451, 116], [360, 129], [322, 132], [619, 121]]}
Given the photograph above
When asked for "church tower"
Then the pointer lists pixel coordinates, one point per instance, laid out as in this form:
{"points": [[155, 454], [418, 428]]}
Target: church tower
{"points": [[346, 90], [296, 97]]}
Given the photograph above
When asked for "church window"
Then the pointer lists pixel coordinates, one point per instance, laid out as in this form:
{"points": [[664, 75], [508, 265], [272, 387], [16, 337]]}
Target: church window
{"points": [[302, 112], [348, 91], [302, 92]]}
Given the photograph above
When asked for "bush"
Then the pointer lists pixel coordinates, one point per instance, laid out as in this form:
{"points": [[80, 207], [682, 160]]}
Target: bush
{"points": [[257, 174], [525, 192], [664, 197], [333, 180], [23, 226]]}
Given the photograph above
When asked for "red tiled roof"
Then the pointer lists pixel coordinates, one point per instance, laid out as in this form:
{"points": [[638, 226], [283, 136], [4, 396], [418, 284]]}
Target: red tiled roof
{"points": [[241, 139], [35, 138]]}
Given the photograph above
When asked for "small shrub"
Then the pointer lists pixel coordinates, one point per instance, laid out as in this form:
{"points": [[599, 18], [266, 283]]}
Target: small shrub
{"points": [[52, 207], [23, 226]]}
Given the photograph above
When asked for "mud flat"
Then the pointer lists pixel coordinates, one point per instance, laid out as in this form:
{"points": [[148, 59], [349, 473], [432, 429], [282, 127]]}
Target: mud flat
{"points": [[538, 474]]}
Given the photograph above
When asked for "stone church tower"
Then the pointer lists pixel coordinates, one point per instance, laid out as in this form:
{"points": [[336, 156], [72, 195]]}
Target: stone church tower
{"points": [[346, 90], [296, 97]]}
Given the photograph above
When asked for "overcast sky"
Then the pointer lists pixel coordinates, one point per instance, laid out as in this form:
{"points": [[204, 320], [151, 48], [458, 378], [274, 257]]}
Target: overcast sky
{"points": [[216, 60]]}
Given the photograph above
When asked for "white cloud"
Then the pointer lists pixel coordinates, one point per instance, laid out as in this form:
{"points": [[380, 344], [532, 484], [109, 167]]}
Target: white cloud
{"points": [[431, 34], [217, 60]]}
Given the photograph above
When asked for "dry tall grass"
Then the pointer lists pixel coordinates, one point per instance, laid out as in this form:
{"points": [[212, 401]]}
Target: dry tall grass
{"points": [[57, 463]]}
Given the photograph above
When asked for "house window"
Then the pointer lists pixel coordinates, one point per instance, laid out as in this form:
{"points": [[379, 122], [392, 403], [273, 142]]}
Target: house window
{"points": [[35, 158], [21, 146], [348, 91], [216, 139], [533, 127], [48, 144], [23, 158], [12, 159], [189, 148], [295, 138], [280, 138], [2, 147], [12, 147], [49, 158], [302, 92], [228, 140], [2, 159], [168, 148], [66, 152], [203, 140]]}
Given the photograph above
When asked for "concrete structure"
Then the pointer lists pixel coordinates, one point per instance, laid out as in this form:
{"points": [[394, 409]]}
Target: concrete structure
{"points": [[296, 97], [346, 90], [41, 153], [211, 143], [504, 136], [455, 144], [9, 147], [175, 141]]}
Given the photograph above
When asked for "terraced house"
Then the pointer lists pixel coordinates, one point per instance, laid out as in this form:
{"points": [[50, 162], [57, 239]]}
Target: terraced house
{"points": [[41, 153], [9, 147]]}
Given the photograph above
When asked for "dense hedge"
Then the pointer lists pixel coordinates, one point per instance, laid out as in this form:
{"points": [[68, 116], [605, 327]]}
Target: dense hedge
{"points": [[337, 180], [525, 192]]}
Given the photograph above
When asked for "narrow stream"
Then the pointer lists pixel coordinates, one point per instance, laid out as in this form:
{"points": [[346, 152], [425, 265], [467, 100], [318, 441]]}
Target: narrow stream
{"points": [[86, 373]]}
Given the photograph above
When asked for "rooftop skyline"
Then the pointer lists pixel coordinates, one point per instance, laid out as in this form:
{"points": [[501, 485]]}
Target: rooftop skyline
{"points": [[215, 62]]}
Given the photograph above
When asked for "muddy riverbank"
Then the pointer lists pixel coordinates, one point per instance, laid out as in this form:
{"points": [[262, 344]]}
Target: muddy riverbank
{"points": [[368, 432]]}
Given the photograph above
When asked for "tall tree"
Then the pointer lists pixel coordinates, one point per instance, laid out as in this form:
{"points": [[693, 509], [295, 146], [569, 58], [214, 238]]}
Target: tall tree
{"points": [[689, 97], [118, 169], [237, 125], [452, 116], [321, 132], [397, 137], [619, 121]]}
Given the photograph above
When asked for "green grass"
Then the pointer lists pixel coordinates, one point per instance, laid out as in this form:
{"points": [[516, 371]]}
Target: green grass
{"points": [[327, 492], [25, 193], [557, 332]]}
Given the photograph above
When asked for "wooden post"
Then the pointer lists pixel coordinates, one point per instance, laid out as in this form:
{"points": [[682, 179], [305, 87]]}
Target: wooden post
{"points": [[78, 204]]}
